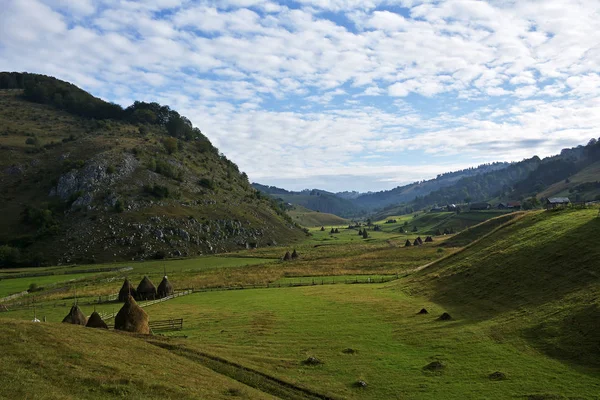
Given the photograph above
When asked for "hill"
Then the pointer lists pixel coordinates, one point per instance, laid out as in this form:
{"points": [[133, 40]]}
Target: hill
{"points": [[539, 273], [86, 181], [316, 200], [63, 361], [309, 218], [408, 193]]}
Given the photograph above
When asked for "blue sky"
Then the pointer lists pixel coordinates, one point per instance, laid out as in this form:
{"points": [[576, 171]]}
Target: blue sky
{"points": [[336, 94]]}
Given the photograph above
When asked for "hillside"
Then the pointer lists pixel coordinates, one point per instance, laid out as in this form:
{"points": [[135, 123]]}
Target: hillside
{"points": [[408, 193], [539, 273], [309, 218], [584, 184], [63, 361], [316, 200], [131, 184]]}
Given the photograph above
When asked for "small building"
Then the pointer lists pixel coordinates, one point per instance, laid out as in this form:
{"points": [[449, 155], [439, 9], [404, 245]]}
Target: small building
{"points": [[511, 205], [557, 202], [480, 206]]}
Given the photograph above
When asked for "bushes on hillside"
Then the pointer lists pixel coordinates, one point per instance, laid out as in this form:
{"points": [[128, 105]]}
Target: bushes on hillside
{"points": [[206, 183], [158, 191], [9, 256]]}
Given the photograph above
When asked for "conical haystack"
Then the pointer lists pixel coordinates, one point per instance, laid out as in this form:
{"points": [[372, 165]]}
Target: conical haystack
{"points": [[416, 242], [132, 318], [75, 316], [146, 290], [428, 239], [408, 243], [294, 254], [287, 256], [420, 240], [95, 321], [164, 288], [126, 290]]}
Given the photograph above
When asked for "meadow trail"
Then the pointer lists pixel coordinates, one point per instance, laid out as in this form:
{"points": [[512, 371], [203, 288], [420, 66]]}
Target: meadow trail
{"points": [[247, 376]]}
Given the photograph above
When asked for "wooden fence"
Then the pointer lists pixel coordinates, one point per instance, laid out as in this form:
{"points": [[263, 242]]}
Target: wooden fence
{"points": [[111, 315], [166, 325], [309, 282]]}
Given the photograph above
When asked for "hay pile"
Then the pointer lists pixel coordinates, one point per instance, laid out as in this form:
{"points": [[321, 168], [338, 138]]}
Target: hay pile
{"points": [[408, 243], [420, 240], [164, 288], [294, 254], [423, 311], [132, 318], [126, 290], [416, 242], [75, 316], [287, 256], [95, 321], [445, 317], [428, 239], [146, 290]]}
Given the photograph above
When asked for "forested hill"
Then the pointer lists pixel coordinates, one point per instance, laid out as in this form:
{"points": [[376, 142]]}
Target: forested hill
{"points": [[316, 200], [573, 173], [84, 180], [411, 191]]}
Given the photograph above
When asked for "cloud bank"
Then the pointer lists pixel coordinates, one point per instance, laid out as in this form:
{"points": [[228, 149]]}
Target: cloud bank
{"points": [[377, 93]]}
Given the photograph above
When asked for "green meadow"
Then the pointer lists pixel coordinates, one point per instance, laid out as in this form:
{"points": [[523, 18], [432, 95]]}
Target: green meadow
{"points": [[522, 291]]}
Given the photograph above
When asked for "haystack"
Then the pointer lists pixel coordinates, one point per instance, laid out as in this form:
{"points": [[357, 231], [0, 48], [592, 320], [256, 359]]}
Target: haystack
{"points": [[287, 256], [423, 311], [126, 290], [294, 254], [95, 321], [322, 228], [132, 318], [428, 239], [416, 242], [445, 317], [164, 288], [408, 243], [75, 316], [420, 240], [146, 290]]}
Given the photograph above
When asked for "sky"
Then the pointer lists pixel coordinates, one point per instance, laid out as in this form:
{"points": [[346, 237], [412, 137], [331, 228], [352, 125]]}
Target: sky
{"points": [[340, 95]]}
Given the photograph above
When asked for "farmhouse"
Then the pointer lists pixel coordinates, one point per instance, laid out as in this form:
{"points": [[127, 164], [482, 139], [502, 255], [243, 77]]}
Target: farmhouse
{"points": [[510, 205], [480, 206], [556, 202]]}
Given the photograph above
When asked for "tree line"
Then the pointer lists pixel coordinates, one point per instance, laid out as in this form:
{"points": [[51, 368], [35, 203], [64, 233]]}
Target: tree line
{"points": [[68, 97]]}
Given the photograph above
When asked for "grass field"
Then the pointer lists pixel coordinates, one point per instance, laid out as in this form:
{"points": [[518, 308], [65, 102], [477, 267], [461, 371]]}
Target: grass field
{"points": [[310, 218], [523, 291]]}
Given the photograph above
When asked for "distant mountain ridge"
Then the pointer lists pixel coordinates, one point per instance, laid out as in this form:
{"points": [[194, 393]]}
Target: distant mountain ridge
{"points": [[532, 179]]}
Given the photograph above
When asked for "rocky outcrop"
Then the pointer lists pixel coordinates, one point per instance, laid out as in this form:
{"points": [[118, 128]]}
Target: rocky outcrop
{"points": [[85, 183]]}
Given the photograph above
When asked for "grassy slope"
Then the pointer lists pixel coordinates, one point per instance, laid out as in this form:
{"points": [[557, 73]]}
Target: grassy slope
{"points": [[310, 218], [429, 222], [58, 361], [541, 274], [588, 174]]}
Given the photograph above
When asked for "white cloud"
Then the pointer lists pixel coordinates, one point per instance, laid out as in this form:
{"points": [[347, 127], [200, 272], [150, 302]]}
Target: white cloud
{"points": [[304, 93]]}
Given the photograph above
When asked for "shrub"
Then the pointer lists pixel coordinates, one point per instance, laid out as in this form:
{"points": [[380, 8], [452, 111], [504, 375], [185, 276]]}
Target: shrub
{"points": [[119, 206], [159, 191], [206, 183], [110, 169], [33, 141], [170, 144], [9, 256]]}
